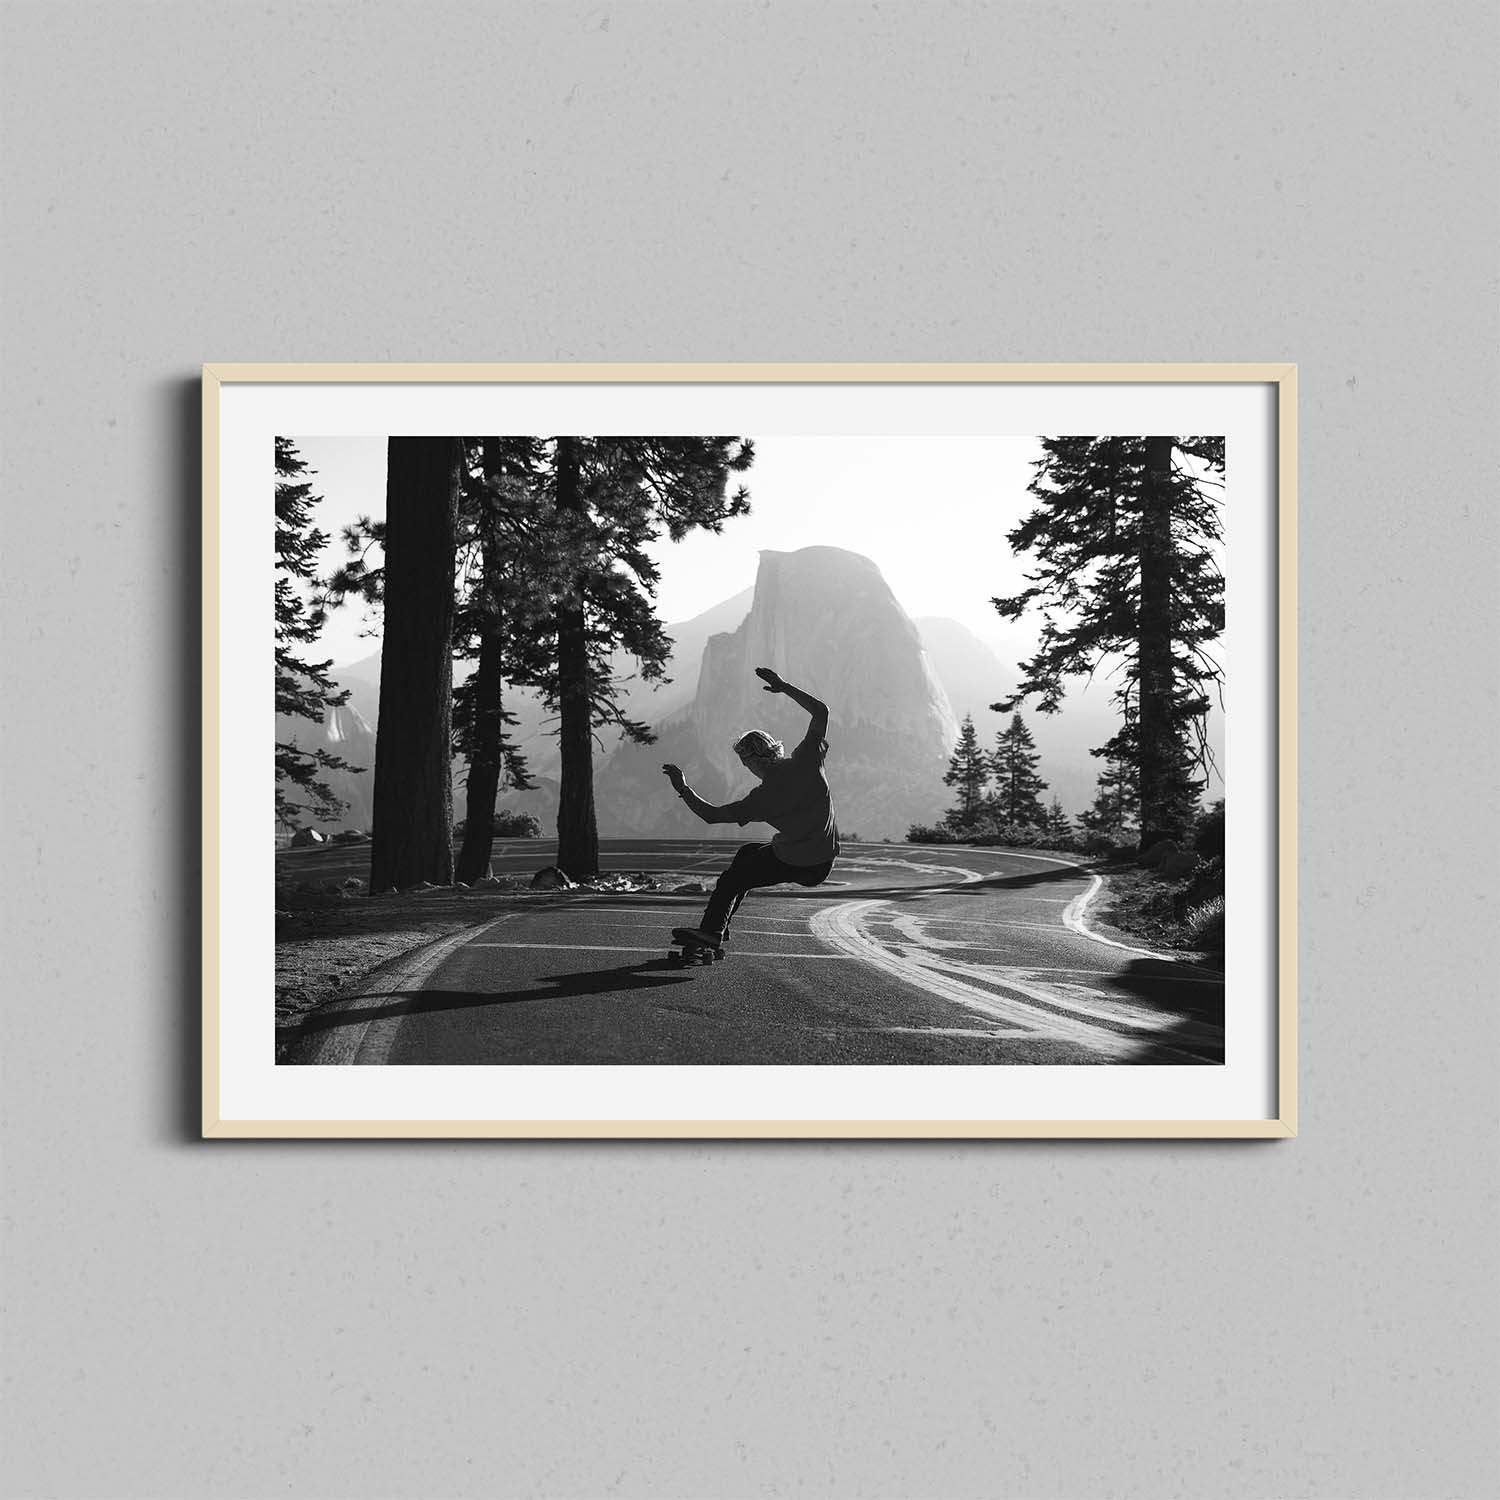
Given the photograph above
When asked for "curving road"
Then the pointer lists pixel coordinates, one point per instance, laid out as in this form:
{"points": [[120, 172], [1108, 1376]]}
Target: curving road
{"points": [[908, 955]]}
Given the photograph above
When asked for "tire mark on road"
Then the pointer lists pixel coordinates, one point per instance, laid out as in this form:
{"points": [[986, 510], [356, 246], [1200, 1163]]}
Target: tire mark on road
{"points": [[840, 928]]}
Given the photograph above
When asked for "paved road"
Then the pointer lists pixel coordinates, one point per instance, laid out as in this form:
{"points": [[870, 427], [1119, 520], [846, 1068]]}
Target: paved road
{"points": [[909, 955]]}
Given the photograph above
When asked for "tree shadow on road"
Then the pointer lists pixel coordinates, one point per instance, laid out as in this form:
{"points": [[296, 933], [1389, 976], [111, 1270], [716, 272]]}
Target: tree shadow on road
{"points": [[1195, 1000], [984, 887], [654, 974]]}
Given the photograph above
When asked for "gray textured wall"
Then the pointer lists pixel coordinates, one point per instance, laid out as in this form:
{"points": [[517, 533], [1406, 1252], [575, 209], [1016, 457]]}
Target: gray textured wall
{"points": [[773, 181]]}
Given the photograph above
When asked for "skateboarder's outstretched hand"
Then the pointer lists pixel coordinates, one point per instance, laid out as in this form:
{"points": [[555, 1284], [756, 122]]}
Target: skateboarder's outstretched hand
{"points": [[773, 683], [675, 776]]}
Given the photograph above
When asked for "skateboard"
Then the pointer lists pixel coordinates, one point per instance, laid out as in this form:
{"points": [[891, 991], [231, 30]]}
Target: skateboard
{"points": [[686, 949]]}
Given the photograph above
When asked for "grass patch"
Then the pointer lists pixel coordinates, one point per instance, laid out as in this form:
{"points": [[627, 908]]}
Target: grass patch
{"points": [[1184, 915]]}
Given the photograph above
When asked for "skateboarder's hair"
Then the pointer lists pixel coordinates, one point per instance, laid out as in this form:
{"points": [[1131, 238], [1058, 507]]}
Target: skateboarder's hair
{"points": [[758, 742]]}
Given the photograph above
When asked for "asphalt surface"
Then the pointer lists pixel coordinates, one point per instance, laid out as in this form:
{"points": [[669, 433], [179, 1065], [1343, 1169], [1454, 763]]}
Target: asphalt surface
{"points": [[906, 955]]}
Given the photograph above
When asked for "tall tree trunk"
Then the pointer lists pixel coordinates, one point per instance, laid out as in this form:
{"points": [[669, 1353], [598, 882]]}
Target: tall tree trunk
{"points": [[1158, 733], [412, 837], [484, 763], [577, 832]]}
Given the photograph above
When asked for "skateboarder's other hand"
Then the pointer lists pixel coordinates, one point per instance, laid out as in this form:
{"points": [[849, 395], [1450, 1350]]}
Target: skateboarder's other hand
{"points": [[773, 683], [674, 775]]}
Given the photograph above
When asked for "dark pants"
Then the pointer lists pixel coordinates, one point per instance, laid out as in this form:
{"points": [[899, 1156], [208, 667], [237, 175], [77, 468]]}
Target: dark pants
{"points": [[754, 866]]}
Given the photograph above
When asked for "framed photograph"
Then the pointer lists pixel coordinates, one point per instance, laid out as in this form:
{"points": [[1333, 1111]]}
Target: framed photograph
{"points": [[749, 750]]}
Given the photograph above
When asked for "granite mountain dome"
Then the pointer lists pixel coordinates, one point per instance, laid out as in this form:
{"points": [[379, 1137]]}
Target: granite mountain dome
{"points": [[826, 620]]}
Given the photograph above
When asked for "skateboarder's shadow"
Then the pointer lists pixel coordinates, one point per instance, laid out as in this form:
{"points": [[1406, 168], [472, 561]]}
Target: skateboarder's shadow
{"points": [[654, 973]]}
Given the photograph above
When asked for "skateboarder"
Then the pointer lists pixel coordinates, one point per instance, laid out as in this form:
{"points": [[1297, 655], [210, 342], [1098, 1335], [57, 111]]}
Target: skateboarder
{"points": [[793, 797]]}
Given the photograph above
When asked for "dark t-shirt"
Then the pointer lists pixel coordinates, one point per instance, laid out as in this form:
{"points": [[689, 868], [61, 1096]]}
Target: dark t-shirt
{"points": [[795, 800]]}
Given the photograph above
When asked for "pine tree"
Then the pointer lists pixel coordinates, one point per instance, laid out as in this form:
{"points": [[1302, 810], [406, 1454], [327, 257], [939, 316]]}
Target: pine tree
{"points": [[969, 772], [1124, 538], [1017, 800], [303, 687], [1056, 824], [412, 835], [1116, 804], [612, 497], [494, 625]]}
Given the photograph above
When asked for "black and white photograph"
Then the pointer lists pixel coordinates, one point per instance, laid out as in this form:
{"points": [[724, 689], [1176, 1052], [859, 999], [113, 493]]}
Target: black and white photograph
{"points": [[776, 750], [751, 750]]}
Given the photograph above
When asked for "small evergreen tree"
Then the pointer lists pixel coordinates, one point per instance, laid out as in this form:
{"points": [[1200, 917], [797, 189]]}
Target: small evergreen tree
{"points": [[1056, 824], [969, 773], [1017, 801], [303, 688], [1116, 804]]}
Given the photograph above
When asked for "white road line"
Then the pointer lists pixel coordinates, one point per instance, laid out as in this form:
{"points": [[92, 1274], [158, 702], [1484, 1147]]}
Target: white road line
{"points": [[1003, 853], [937, 921], [1067, 969], [1075, 921], [915, 929], [1120, 1010], [839, 927], [659, 948], [984, 1033], [1051, 927], [356, 1042]]}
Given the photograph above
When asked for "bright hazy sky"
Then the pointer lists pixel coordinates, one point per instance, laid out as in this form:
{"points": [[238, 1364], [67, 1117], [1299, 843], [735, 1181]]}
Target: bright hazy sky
{"points": [[931, 512]]}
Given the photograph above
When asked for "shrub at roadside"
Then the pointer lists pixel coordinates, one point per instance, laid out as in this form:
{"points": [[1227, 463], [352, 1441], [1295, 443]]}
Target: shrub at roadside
{"points": [[986, 834], [1183, 911], [919, 833], [1028, 836], [516, 825], [1205, 926], [509, 825]]}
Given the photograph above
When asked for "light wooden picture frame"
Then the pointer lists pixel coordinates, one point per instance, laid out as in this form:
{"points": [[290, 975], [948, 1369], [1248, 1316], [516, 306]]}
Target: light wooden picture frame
{"points": [[876, 1004]]}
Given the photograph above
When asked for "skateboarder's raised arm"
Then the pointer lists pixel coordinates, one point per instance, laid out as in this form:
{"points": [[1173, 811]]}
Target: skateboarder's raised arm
{"points": [[818, 729], [730, 812]]}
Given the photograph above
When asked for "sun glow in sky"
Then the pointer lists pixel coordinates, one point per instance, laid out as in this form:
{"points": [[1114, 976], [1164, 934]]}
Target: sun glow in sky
{"points": [[932, 513]]}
